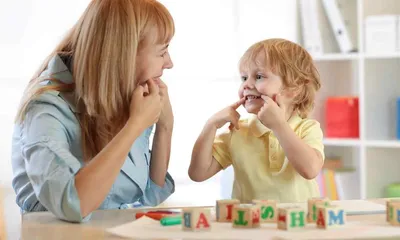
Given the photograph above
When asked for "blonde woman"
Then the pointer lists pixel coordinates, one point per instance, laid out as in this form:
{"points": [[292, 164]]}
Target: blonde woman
{"points": [[81, 140]]}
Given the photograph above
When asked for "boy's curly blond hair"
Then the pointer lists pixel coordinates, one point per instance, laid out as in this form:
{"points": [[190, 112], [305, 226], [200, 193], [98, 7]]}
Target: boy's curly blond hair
{"points": [[293, 64]]}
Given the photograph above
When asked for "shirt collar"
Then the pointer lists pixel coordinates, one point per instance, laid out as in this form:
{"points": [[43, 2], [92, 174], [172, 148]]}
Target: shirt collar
{"points": [[258, 129], [57, 69]]}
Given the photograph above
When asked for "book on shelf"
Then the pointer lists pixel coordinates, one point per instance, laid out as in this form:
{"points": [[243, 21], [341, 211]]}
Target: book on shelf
{"points": [[312, 39], [327, 26], [337, 182]]}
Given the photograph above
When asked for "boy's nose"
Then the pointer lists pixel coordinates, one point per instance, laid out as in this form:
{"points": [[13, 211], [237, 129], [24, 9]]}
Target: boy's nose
{"points": [[249, 84]]}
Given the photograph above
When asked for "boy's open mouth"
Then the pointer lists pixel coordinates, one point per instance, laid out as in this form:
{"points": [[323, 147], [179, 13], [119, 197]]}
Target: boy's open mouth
{"points": [[251, 97]]}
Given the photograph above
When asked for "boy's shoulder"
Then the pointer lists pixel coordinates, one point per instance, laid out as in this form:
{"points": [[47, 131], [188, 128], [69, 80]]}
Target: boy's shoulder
{"points": [[308, 127], [305, 123]]}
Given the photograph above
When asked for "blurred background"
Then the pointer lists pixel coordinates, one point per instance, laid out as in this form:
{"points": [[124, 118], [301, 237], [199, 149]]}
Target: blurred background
{"points": [[355, 44]]}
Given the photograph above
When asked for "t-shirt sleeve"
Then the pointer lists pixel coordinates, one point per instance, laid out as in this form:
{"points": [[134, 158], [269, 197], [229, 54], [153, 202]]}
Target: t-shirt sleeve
{"points": [[313, 136], [221, 149]]}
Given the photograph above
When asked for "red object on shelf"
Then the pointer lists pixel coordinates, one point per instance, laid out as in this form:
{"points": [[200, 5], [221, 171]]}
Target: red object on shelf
{"points": [[342, 117]]}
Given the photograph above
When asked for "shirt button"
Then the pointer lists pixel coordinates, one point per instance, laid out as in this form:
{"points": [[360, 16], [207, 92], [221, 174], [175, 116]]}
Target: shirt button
{"points": [[273, 158], [272, 145]]}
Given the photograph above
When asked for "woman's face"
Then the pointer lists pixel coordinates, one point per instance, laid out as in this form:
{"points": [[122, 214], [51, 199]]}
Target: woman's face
{"points": [[151, 62]]}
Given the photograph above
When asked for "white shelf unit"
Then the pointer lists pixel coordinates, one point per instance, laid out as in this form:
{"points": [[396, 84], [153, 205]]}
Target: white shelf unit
{"points": [[375, 79]]}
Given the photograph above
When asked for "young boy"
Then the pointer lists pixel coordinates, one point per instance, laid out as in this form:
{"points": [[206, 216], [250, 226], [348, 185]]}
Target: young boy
{"points": [[277, 152]]}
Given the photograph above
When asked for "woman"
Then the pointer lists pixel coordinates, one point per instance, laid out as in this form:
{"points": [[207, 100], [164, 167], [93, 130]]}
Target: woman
{"points": [[81, 141]]}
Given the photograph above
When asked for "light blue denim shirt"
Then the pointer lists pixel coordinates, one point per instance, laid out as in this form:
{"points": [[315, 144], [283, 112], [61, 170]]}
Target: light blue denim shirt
{"points": [[46, 155]]}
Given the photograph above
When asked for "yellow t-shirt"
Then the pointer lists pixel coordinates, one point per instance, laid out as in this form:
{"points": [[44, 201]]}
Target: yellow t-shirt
{"points": [[261, 169]]}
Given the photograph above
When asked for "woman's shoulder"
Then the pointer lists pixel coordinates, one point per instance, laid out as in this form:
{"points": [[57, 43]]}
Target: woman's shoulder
{"points": [[48, 108]]}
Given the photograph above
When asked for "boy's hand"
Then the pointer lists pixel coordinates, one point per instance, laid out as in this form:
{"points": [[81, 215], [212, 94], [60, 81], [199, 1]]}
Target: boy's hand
{"points": [[272, 113], [228, 114]]}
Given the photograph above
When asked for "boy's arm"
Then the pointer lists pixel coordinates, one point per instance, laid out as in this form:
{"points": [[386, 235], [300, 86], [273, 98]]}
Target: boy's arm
{"points": [[304, 157], [203, 165], [211, 154]]}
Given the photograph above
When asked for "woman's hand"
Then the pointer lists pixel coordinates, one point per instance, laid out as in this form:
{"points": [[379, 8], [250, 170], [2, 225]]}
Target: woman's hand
{"points": [[166, 119], [145, 109]]}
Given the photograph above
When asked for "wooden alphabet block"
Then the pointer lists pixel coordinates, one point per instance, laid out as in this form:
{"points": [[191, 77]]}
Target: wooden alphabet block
{"points": [[389, 209], [291, 218], [246, 216], [196, 219], [224, 209], [393, 212], [330, 216], [268, 210], [312, 208]]}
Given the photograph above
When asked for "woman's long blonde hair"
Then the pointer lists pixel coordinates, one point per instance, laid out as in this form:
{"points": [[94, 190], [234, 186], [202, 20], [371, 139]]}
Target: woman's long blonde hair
{"points": [[103, 46]]}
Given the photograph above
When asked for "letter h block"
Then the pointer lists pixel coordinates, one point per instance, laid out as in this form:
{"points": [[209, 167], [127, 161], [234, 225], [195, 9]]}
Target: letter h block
{"points": [[196, 219], [291, 218]]}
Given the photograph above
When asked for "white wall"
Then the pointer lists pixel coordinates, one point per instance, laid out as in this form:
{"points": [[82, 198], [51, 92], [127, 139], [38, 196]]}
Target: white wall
{"points": [[210, 37], [30, 29]]}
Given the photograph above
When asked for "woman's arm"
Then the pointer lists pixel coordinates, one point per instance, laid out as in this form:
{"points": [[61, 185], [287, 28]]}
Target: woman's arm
{"points": [[160, 154], [106, 166]]}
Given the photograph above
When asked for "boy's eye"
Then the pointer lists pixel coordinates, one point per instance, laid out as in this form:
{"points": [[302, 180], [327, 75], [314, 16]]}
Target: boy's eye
{"points": [[258, 77], [244, 78]]}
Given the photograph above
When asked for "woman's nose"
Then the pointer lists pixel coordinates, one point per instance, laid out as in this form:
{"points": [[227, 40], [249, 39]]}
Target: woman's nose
{"points": [[168, 64]]}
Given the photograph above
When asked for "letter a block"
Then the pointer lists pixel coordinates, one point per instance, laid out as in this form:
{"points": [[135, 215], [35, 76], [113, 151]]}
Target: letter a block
{"points": [[312, 208], [224, 209], [330, 217], [291, 218], [393, 213], [268, 210], [196, 219], [389, 208], [246, 216]]}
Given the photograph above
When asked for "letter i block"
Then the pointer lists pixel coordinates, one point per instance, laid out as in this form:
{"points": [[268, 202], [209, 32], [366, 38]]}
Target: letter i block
{"points": [[291, 218], [330, 217], [394, 213], [312, 207], [388, 207], [268, 210], [224, 209], [196, 219], [246, 216]]}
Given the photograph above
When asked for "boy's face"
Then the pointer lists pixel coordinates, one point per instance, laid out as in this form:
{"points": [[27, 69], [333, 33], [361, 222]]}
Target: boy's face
{"points": [[257, 81]]}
